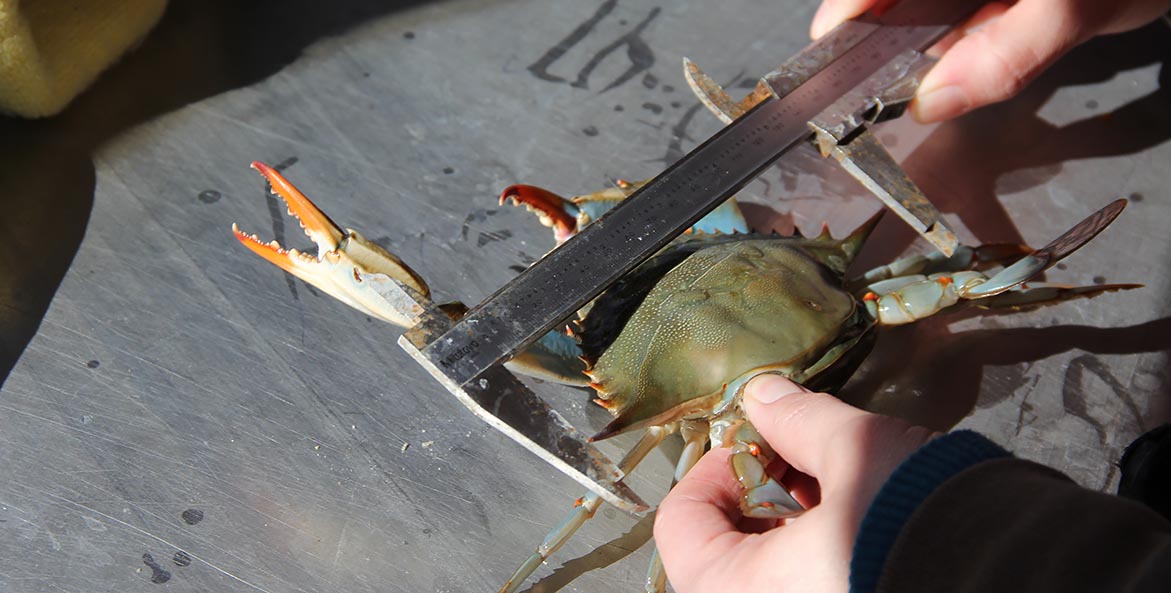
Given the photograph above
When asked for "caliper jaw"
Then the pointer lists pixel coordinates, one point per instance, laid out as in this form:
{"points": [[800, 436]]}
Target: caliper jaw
{"points": [[843, 130], [505, 403]]}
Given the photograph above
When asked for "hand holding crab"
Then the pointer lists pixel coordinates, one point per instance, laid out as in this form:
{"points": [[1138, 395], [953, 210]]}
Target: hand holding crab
{"points": [[849, 453], [896, 507]]}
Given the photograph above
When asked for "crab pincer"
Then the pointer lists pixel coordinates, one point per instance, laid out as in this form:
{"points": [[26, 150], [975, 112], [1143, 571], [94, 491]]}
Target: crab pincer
{"points": [[343, 255], [553, 210]]}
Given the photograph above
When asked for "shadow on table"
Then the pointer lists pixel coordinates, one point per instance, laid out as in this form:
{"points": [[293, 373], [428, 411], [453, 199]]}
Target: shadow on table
{"points": [[1009, 147], [200, 48], [940, 373]]}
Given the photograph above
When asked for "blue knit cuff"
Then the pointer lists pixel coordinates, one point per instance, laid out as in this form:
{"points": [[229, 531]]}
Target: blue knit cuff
{"points": [[910, 484]]}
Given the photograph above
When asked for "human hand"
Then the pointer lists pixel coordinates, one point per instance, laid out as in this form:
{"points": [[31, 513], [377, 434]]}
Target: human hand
{"points": [[1003, 47], [835, 459]]}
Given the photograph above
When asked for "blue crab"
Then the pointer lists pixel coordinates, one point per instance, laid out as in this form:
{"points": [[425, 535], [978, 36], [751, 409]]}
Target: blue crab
{"points": [[670, 346]]}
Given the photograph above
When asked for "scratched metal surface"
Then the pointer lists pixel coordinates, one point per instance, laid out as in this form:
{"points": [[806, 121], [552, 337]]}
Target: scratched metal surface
{"points": [[188, 415]]}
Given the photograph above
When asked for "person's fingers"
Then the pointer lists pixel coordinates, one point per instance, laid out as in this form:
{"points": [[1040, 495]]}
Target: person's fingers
{"points": [[984, 15], [698, 518], [995, 60], [1002, 48], [805, 429], [832, 12]]}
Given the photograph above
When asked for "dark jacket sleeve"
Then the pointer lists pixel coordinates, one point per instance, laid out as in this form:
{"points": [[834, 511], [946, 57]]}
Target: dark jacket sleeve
{"points": [[1005, 525]]}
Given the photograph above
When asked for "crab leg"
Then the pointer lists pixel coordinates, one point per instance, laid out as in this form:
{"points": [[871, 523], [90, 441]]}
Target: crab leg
{"points": [[919, 296], [584, 509], [1037, 294], [964, 258], [695, 438], [898, 300], [763, 497]]}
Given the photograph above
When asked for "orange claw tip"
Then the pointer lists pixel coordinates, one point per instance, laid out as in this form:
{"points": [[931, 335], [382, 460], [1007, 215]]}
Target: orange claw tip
{"points": [[515, 192], [271, 251], [870, 296], [252, 241], [509, 192], [547, 203], [944, 280], [530, 194], [312, 218]]}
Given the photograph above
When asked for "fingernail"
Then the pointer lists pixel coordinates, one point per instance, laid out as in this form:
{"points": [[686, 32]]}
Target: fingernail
{"points": [[766, 389], [820, 26], [940, 103]]}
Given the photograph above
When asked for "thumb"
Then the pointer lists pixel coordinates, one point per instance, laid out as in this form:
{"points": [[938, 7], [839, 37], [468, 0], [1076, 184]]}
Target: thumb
{"points": [[804, 428]]}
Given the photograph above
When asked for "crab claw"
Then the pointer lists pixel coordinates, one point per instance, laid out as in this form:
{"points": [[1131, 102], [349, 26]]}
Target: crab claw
{"points": [[567, 216], [342, 255], [554, 211]]}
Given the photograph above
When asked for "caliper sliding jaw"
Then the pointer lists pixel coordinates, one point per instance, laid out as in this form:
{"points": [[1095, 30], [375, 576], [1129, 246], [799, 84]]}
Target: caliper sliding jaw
{"points": [[843, 130]]}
